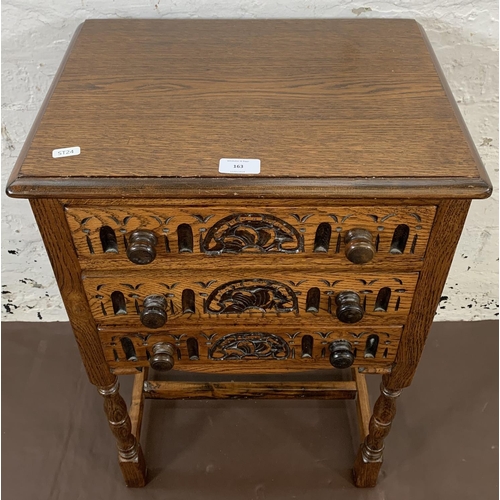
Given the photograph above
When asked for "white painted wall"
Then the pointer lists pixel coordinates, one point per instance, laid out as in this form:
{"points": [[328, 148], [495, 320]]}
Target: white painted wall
{"points": [[36, 33]]}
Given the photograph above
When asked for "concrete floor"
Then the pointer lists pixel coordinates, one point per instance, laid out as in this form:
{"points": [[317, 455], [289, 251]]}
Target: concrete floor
{"points": [[56, 444]]}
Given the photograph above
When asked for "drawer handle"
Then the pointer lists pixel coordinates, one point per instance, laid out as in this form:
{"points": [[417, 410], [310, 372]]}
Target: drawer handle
{"points": [[162, 359], [154, 311], [341, 354], [141, 248], [349, 309], [359, 248]]}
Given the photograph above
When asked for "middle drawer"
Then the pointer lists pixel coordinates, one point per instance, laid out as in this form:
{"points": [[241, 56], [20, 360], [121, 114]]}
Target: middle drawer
{"points": [[246, 297]]}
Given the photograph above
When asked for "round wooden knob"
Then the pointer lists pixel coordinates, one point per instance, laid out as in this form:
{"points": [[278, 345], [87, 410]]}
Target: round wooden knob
{"points": [[141, 248], [162, 359], [359, 248], [349, 309], [341, 355], [154, 311]]}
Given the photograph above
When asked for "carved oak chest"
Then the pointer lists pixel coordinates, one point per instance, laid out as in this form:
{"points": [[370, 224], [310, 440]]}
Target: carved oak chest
{"points": [[250, 197]]}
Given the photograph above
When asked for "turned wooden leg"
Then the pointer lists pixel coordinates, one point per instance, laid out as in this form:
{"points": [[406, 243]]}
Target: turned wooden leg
{"points": [[369, 458], [130, 454]]}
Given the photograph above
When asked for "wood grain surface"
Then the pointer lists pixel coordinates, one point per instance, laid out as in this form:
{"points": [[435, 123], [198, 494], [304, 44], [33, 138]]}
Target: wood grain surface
{"points": [[312, 99], [130, 455], [159, 389], [211, 359], [232, 298], [356, 129], [369, 458], [444, 238], [363, 407], [49, 215], [136, 410], [255, 233]]}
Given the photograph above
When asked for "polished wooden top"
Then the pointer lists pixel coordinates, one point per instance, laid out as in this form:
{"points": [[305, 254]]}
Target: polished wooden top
{"points": [[329, 107]]}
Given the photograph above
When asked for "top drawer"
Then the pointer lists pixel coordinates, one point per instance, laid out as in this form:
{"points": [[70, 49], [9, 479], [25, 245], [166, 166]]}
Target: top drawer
{"points": [[156, 236]]}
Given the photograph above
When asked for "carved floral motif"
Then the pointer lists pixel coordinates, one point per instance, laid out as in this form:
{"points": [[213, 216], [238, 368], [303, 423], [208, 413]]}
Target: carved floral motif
{"points": [[249, 345], [257, 232], [254, 294]]}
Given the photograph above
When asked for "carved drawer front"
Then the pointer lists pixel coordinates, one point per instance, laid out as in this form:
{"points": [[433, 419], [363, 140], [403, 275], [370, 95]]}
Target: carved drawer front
{"points": [[200, 297], [153, 236], [250, 349]]}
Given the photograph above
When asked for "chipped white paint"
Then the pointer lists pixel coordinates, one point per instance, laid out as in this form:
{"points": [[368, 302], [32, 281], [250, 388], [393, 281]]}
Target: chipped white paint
{"points": [[35, 35]]}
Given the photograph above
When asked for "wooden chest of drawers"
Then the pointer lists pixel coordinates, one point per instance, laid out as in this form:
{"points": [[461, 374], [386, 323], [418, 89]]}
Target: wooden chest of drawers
{"points": [[327, 250]]}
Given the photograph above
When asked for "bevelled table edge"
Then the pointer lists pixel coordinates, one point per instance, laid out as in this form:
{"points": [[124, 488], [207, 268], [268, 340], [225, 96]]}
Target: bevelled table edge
{"points": [[483, 174], [250, 187], [476, 187]]}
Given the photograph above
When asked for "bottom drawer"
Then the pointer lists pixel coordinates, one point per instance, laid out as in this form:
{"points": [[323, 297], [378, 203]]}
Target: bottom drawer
{"points": [[254, 350]]}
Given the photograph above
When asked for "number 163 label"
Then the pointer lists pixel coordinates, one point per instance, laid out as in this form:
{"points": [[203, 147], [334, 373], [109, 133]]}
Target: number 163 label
{"points": [[239, 166]]}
